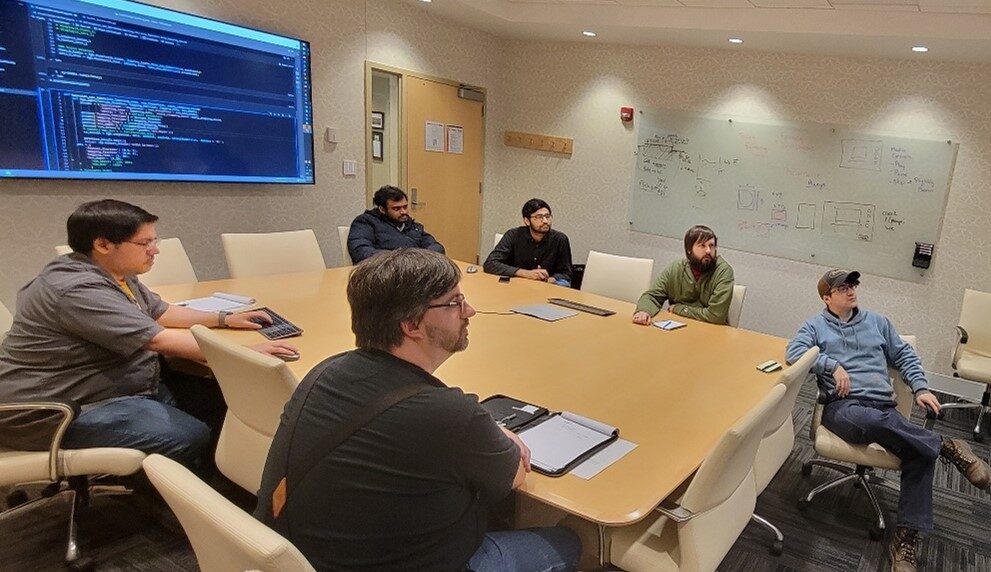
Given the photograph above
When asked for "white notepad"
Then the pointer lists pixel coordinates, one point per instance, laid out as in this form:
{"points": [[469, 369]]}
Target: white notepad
{"points": [[218, 301], [555, 443], [669, 324]]}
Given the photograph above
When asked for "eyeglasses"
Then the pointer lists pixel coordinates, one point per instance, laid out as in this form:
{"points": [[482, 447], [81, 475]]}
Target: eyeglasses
{"points": [[542, 216], [845, 288], [146, 243], [457, 302]]}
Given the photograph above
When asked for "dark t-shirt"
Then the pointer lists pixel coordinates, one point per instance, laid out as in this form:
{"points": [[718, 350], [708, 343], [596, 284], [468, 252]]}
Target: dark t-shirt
{"points": [[409, 490]]}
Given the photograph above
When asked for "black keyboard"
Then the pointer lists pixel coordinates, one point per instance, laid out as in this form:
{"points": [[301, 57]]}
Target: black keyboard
{"points": [[279, 328], [581, 307]]}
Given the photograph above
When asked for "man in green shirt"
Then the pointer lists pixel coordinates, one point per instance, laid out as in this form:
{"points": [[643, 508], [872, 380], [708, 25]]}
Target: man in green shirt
{"points": [[699, 287]]}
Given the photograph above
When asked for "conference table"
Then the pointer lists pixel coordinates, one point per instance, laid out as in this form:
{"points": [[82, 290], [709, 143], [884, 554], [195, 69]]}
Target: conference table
{"points": [[672, 393]]}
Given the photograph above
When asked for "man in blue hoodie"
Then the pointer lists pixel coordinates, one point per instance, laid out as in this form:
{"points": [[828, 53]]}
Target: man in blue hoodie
{"points": [[856, 347]]}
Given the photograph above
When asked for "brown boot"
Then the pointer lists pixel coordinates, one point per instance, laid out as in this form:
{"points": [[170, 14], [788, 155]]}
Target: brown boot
{"points": [[903, 549], [960, 454]]}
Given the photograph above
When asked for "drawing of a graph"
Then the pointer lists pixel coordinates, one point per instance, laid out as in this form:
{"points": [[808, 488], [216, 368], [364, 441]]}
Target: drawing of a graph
{"points": [[849, 220]]}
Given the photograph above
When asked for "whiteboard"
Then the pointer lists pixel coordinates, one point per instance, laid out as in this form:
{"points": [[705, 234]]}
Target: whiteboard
{"points": [[804, 191]]}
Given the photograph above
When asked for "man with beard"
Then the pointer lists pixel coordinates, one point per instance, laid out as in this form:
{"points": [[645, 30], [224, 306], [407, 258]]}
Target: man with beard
{"points": [[534, 250], [388, 226], [855, 349], [699, 287], [387, 467]]}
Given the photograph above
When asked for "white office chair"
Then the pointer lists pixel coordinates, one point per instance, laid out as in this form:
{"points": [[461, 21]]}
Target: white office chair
{"points": [[865, 458], [618, 277], [65, 470], [6, 319], [972, 355], [224, 537], [779, 436], [256, 388], [736, 305], [342, 235], [697, 532], [172, 265], [498, 237], [264, 253]]}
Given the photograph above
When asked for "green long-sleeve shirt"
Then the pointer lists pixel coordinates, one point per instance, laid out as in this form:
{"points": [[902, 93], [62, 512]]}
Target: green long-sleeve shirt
{"points": [[707, 300]]}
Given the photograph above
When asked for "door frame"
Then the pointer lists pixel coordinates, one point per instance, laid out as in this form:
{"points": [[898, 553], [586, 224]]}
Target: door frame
{"points": [[402, 74]]}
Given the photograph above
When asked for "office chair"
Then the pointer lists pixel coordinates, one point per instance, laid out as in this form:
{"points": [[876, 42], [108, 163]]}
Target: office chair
{"points": [[265, 253], [6, 319], [172, 265], [865, 458], [972, 354], [498, 237], [736, 305], [256, 388], [66, 471], [697, 528], [224, 537], [617, 277], [779, 437], [342, 235]]}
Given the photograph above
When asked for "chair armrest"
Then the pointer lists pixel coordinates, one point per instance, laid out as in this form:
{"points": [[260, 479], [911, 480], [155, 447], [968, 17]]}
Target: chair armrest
{"points": [[68, 410], [962, 338], [675, 511], [816, 415]]}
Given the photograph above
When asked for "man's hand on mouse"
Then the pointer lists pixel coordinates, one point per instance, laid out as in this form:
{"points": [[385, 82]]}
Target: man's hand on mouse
{"points": [[275, 348]]}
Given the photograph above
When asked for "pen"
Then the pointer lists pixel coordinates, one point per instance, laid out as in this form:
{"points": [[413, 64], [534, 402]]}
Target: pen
{"points": [[502, 422]]}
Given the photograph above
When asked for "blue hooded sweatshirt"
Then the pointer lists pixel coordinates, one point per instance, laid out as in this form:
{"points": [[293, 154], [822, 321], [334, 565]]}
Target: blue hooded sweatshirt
{"points": [[864, 346]]}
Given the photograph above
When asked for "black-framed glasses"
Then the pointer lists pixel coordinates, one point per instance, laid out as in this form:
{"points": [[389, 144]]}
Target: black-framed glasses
{"points": [[457, 302], [845, 288], [145, 243], [547, 216]]}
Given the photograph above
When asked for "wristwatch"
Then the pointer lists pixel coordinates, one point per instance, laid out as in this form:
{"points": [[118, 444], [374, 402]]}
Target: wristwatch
{"points": [[222, 318]]}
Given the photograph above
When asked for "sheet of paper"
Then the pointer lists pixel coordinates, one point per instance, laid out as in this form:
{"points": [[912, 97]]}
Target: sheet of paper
{"points": [[545, 312], [455, 139], [556, 442], [599, 461], [434, 136], [211, 304]]}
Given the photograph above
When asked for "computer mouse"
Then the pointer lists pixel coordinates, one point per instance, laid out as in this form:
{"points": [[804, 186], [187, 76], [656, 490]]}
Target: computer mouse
{"points": [[287, 357], [471, 269]]}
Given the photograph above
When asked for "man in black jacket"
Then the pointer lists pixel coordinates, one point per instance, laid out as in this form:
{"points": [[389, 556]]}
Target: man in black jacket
{"points": [[388, 226]]}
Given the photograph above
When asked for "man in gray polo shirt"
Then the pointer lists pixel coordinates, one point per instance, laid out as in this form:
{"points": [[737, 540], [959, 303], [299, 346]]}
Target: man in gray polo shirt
{"points": [[87, 330]]}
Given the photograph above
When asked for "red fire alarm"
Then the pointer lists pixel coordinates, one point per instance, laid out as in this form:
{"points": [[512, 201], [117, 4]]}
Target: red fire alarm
{"points": [[626, 114]]}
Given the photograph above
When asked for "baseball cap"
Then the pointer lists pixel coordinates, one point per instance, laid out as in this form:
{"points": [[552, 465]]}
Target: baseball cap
{"points": [[835, 277]]}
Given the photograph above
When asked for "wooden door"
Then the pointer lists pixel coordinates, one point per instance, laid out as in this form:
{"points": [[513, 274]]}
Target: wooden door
{"points": [[444, 186]]}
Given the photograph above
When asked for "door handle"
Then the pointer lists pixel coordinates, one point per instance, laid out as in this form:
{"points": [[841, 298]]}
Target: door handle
{"points": [[413, 197]]}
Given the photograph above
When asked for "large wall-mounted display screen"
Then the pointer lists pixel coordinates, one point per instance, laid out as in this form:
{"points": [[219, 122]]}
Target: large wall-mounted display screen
{"points": [[113, 89]]}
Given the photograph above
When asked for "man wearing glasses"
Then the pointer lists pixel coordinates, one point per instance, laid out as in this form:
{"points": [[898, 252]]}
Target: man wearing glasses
{"points": [[392, 469], [856, 347], [534, 250], [87, 330]]}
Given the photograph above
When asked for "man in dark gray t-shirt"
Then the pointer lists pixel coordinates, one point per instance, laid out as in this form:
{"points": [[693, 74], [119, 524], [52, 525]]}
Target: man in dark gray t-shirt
{"points": [[87, 330]]}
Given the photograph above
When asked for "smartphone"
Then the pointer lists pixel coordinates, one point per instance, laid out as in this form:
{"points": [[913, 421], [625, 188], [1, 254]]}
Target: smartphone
{"points": [[504, 278]]}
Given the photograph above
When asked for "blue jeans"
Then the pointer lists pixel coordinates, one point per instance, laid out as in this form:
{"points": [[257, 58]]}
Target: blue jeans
{"points": [[147, 423], [555, 549], [862, 422]]}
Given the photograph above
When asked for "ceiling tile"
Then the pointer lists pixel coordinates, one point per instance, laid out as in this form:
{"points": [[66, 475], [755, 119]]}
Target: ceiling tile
{"points": [[717, 3], [791, 3], [956, 6]]}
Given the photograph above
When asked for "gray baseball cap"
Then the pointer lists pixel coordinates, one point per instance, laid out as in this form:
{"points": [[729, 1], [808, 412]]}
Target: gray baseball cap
{"points": [[835, 277]]}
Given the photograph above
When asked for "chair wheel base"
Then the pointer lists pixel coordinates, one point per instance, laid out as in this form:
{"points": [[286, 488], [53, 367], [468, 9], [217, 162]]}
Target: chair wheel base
{"points": [[16, 497], [777, 548], [803, 505], [876, 533], [806, 469], [82, 564]]}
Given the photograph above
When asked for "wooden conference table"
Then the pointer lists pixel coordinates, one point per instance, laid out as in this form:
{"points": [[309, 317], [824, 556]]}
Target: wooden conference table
{"points": [[673, 393]]}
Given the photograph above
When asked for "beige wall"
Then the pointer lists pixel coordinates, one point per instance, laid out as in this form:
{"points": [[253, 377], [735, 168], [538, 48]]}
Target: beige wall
{"points": [[576, 90], [342, 34]]}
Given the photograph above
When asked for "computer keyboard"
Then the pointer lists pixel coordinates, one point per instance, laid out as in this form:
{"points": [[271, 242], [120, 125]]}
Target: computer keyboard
{"points": [[279, 328], [581, 307]]}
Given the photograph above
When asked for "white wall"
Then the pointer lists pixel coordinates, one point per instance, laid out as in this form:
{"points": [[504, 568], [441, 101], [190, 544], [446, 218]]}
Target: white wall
{"points": [[576, 90]]}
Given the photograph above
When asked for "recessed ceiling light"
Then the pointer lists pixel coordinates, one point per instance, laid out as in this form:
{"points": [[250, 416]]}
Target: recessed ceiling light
{"points": [[920, 49], [426, 1], [588, 33], [735, 41]]}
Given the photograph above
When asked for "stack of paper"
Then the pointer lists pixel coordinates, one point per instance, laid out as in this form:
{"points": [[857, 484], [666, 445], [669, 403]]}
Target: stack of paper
{"points": [[218, 301]]}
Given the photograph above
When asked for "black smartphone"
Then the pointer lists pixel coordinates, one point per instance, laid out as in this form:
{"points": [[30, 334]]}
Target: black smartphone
{"points": [[504, 278]]}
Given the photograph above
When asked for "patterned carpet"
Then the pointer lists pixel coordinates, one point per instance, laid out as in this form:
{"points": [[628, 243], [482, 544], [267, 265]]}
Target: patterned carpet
{"points": [[141, 534]]}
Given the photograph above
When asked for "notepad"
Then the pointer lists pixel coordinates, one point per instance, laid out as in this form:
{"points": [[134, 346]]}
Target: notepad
{"points": [[565, 439], [669, 324], [545, 312], [218, 301]]}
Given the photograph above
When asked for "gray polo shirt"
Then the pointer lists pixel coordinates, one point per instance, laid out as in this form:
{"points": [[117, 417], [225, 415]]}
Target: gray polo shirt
{"points": [[78, 335]]}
